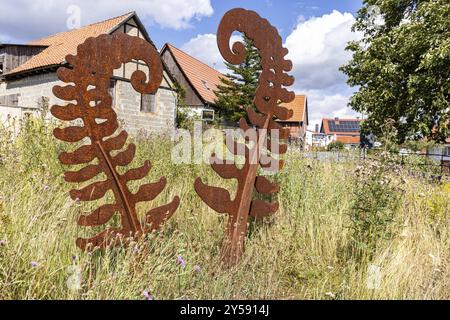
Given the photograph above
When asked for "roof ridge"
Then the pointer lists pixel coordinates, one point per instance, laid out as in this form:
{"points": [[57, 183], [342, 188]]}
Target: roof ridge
{"points": [[81, 28], [171, 45]]}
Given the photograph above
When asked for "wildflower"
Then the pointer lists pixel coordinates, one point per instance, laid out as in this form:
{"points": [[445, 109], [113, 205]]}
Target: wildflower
{"points": [[46, 187], [197, 268], [181, 261], [3, 243], [147, 295], [34, 264]]}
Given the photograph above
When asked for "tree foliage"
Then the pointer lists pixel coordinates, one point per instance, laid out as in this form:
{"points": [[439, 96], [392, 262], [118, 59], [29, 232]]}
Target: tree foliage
{"points": [[237, 91], [402, 67]]}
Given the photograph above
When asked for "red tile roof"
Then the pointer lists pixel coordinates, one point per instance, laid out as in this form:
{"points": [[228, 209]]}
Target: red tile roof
{"points": [[326, 126], [348, 139], [299, 106], [202, 77], [64, 43]]}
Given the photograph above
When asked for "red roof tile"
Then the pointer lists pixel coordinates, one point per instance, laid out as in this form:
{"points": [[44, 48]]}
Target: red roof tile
{"points": [[326, 126], [298, 105], [64, 43], [202, 77], [348, 139]]}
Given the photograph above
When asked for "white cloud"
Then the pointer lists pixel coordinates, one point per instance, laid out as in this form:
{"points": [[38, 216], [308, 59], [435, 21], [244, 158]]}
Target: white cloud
{"points": [[29, 19], [322, 105], [317, 50], [204, 48]]}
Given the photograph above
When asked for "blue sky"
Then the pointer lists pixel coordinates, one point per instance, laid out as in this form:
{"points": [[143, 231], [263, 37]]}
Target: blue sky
{"points": [[315, 32]]}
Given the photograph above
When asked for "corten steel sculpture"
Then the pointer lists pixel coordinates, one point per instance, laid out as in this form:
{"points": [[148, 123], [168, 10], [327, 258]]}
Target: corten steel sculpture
{"points": [[89, 78], [269, 94]]}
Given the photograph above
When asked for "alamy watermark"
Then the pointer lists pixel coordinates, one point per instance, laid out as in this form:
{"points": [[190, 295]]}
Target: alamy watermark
{"points": [[252, 146]]}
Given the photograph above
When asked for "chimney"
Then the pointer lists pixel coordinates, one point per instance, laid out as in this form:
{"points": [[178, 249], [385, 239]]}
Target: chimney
{"points": [[317, 127]]}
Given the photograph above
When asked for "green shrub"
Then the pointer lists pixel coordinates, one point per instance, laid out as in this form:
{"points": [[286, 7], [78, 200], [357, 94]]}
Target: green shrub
{"points": [[336, 145], [376, 199]]}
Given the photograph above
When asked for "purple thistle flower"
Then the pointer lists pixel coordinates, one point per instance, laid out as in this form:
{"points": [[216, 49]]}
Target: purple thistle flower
{"points": [[197, 268], [147, 295], [34, 264], [181, 261]]}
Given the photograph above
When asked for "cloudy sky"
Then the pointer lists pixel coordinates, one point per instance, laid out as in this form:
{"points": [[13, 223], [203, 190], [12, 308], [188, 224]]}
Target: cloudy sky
{"points": [[315, 32]]}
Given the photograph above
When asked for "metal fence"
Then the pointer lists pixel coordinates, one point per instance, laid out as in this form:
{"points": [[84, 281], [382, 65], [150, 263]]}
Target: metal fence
{"points": [[426, 165]]}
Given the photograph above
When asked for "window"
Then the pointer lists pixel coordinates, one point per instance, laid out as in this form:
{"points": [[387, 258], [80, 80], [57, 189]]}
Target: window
{"points": [[447, 151], [207, 115], [1, 67], [148, 103], [112, 91]]}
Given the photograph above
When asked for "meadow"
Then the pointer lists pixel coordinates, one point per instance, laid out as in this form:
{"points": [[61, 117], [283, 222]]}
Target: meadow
{"points": [[343, 231]]}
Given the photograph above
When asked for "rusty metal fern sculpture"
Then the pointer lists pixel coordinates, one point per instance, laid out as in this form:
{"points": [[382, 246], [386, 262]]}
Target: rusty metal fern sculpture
{"points": [[269, 94], [88, 79]]}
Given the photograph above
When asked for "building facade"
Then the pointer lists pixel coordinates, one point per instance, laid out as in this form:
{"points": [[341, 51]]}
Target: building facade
{"points": [[299, 121], [197, 80], [346, 131], [29, 74]]}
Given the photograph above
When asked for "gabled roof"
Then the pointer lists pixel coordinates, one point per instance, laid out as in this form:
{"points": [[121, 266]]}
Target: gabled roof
{"points": [[300, 108], [64, 43], [203, 79], [341, 126]]}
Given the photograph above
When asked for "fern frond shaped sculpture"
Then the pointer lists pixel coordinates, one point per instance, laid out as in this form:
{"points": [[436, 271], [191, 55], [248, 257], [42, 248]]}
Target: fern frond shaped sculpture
{"points": [[269, 94], [88, 81]]}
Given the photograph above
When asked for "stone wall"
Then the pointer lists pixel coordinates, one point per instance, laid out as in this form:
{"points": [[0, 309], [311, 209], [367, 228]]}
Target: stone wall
{"points": [[127, 102]]}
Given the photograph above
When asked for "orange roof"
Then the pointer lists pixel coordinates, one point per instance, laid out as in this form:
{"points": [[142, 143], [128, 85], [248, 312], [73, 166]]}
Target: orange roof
{"points": [[337, 126], [348, 139], [202, 77], [299, 106], [64, 43]]}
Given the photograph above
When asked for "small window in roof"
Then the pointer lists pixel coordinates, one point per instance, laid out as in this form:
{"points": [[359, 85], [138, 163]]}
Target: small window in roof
{"points": [[205, 84]]}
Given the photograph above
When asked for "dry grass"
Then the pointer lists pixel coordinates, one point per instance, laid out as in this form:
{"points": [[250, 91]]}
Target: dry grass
{"points": [[298, 254]]}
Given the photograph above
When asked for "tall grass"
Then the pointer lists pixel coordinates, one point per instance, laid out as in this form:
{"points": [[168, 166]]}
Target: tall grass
{"points": [[300, 253]]}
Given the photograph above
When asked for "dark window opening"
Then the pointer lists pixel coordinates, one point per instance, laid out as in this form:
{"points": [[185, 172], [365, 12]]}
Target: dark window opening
{"points": [[112, 92], [1, 67], [148, 103], [208, 115]]}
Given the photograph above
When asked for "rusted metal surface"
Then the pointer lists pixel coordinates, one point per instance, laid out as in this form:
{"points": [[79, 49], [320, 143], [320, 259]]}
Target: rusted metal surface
{"points": [[88, 82], [269, 93]]}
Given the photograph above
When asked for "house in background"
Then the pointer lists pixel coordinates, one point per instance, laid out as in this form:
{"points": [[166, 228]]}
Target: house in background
{"points": [[198, 80], [298, 123], [29, 74], [346, 131]]}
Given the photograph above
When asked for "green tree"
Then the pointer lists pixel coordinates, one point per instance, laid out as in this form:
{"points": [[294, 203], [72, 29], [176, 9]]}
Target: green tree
{"points": [[402, 67], [237, 91]]}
